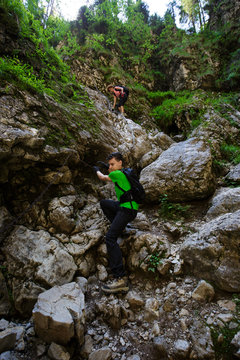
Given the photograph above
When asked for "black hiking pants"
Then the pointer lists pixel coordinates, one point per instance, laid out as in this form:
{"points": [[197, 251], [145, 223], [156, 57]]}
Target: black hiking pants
{"points": [[119, 218], [122, 100]]}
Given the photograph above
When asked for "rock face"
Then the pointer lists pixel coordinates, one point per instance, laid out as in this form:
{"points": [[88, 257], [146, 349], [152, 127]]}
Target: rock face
{"points": [[63, 237], [234, 175], [226, 200], [222, 13], [59, 314], [213, 252], [52, 228], [39, 258], [183, 172]]}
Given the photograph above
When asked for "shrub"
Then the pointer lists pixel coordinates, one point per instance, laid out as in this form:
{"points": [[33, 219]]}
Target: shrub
{"points": [[231, 153]]}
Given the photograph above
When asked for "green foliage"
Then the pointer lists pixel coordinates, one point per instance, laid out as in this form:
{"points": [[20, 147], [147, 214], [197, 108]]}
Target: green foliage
{"points": [[41, 69], [15, 70], [158, 97], [56, 30], [124, 30], [219, 101], [154, 259], [140, 89], [70, 47], [174, 211], [222, 336], [174, 105], [231, 153], [232, 71], [194, 11], [189, 106]]}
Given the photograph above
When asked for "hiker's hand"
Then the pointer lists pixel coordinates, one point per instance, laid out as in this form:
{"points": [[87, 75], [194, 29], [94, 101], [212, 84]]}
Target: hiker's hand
{"points": [[96, 168], [103, 165]]}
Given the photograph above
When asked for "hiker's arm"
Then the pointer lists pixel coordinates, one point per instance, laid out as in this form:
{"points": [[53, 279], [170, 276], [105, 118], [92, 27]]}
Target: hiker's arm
{"points": [[103, 177], [119, 88], [114, 101]]}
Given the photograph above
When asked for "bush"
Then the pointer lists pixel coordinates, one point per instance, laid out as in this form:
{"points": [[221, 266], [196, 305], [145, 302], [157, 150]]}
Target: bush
{"points": [[23, 74], [231, 153]]}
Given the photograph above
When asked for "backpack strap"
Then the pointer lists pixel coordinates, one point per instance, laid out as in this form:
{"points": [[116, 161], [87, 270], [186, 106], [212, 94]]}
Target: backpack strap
{"points": [[126, 196]]}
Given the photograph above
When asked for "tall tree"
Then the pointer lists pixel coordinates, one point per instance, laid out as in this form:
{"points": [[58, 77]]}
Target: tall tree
{"points": [[142, 8], [195, 11], [42, 9]]}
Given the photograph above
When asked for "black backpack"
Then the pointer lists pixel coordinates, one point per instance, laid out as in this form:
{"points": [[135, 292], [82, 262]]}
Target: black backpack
{"points": [[126, 90], [137, 192]]}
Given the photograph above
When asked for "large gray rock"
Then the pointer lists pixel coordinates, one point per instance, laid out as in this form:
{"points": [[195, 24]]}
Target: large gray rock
{"points": [[183, 172], [61, 213], [181, 349], [213, 252], [143, 247], [234, 175], [236, 342], [12, 338], [201, 341], [203, 292], [226, 200], [216, 129], [59, 314], [58, 352], [7, 340], [101, 354], [36, 255], [25, 294]]}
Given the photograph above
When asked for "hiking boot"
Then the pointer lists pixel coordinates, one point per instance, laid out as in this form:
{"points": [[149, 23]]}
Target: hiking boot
{"points": [[119, 285]]}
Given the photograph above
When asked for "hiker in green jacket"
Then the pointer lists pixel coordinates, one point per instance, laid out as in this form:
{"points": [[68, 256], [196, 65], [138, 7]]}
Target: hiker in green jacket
{"points": [[121, 93], [119, 214]]}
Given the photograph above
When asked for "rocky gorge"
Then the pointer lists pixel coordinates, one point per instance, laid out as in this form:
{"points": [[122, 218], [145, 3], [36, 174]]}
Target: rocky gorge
{"points": [[181, 252], [183, 270]]}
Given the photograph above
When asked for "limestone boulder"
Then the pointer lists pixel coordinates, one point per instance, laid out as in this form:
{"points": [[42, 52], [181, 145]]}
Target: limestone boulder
{"points": [[37, 256], [234, 175], [183, 172], [203, 292], [135, 140], [12, 338], [25, 294], [236, 343], [212, 253], [146, 251], [110, 311], [56, 352], [160, 142], [101, 354], [89, 218], [128, 137], [80, 243], [59, 314], [61, 213], [226, 200], [216, 129], [62, 175], [202, 344]]}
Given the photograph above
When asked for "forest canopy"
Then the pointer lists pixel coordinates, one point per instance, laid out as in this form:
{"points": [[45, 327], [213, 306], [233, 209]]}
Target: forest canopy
{"points": [[125, 29]]}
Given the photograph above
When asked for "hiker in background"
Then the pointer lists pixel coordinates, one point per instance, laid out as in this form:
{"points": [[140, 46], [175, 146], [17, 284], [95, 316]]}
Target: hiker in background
{"points": [[119, 214], [121, 93]]}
